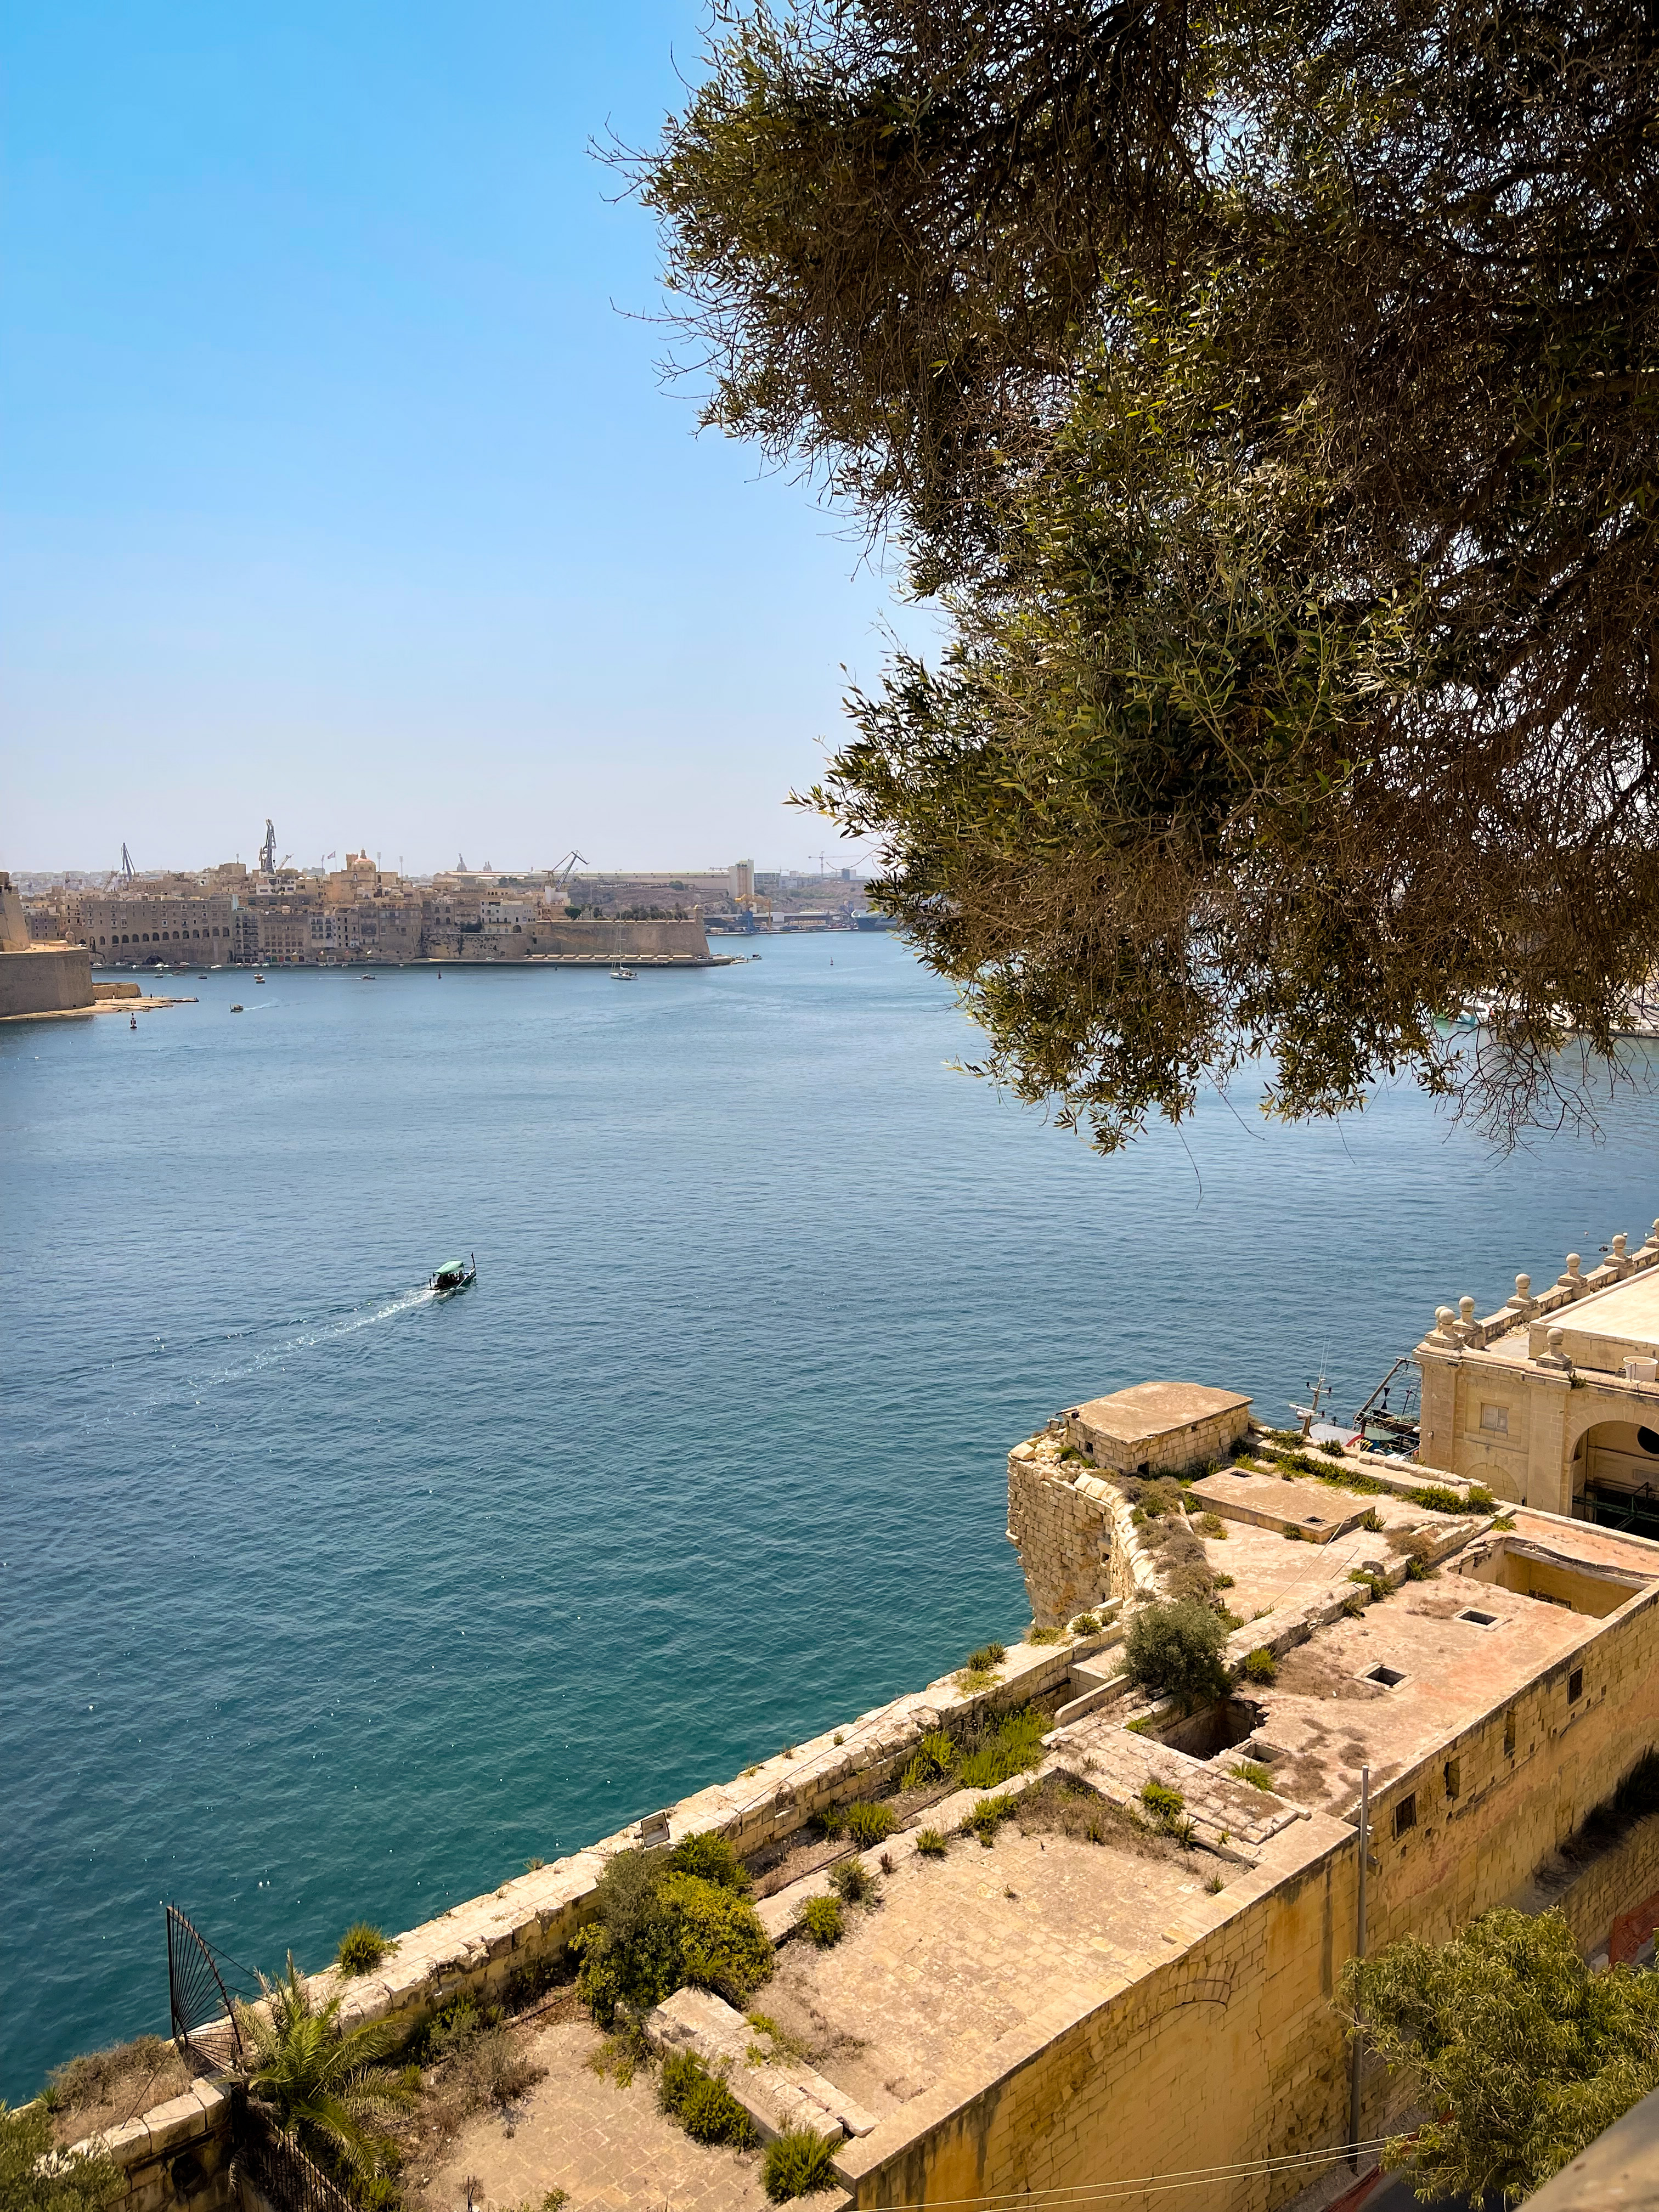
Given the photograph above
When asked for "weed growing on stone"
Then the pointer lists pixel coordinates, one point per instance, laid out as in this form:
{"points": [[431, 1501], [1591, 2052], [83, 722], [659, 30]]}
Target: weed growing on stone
{"points": [[701, 2103], [535, 1866], [784, 2045], [971, 1680], [988, 1657], [930, 1843], [930, 1761], [1086, 1625], [1253, 1771], [1142, 1727], [987, 1816], [829, 1821], [1259, 1665], [1164, 1804], [1016, 1746], [869, 1822], [1034, 1635], [852, 1882], [1418, 1571], [798, 2163], [1215, 1885], [1223, 1581], [1213, 1526], [1437, 1498], [1291, 1532], [1373, 1521], [620, 2056], [361, 1948], [821, 1919]]}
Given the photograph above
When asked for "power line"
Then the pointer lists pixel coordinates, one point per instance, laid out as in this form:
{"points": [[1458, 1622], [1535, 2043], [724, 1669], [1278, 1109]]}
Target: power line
{"points": [[1083, 2193]]}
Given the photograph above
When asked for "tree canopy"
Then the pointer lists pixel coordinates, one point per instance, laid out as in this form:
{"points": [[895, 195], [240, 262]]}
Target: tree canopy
{"points": [[1522, 2055], [1270, 399]]}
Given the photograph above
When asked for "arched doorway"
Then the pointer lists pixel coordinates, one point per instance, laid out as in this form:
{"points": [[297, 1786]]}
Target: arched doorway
{"points": [[1615, 1477]]}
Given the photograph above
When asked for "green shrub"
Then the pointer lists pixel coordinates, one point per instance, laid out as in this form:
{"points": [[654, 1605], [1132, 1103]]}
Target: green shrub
{"points": [[930, 1843], [361, 1948], [1291, 1532], [1163, 1803], [987, 1657], [1086, 1624], [1034, 1635], [1376, 1583], [821, 1918], [1253, 1771], [987, 1816], [71, 2184], [930, 1761], [657, 1930], [1223, 1581], [701, 2103], [800, 2161], [1480, 1498], [1016, 1746], [1176, 1649], [1259, 1665], [1373, 1521], [1213, 1526], [829, 1822], [1159, 1497], [852, 1881], [711, 1858], [869, 1822], [1437, 1499], [1418, 1571]]}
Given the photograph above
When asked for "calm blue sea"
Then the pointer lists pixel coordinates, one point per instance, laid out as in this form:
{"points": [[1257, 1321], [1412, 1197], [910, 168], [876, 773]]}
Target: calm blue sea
{"points": [[318, 1600]]}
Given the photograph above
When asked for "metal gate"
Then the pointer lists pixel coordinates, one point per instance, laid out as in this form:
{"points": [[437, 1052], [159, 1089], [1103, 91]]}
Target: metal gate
{"points": [[203, 2015], [280, 2169]]}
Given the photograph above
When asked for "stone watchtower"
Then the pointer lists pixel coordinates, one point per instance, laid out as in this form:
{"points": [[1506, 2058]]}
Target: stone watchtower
{"points": [[1061, 1511]]}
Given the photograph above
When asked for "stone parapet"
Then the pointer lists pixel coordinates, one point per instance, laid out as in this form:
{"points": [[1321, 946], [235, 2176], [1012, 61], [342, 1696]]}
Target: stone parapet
{"points": [[176, 2154]]}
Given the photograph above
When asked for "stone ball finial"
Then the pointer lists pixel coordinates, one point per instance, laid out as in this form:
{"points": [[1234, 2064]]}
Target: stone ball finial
{"points": [[1445, 1321], [1574, 1263], [1558, 1337], [1465, 1310], [1619, 1244], [1524, 1286]]}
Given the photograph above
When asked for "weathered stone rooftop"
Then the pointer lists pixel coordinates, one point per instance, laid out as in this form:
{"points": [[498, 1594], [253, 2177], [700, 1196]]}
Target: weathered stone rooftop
{"points": [[1148, 1410]]}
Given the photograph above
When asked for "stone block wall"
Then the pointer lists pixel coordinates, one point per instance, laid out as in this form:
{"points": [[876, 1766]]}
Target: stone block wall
{"points": [[49, 980], [1075, 1534], [177, 2156]]}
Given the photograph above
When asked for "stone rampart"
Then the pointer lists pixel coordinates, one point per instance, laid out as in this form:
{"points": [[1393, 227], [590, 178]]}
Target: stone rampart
{"points": [[48, 979], [177, 2156]]}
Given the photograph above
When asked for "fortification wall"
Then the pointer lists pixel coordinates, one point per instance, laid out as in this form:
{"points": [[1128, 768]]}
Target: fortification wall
{"points": [[177, 2156], [49, 979], [552, 938], [1075, 1534]]}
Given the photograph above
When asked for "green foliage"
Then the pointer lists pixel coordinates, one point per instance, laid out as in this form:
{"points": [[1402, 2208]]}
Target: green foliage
{"points": [[986, 1658], [701, 2103], [1437, 1498], [659, 1929], [1253, 1771], [1034, 1635], [869, 1822], [1519, 2052], [1418, 1571], [1086, 1624], [1373, 1521], [361, 1948], [323, 2081], [1213, 1526], [1378, 1585], [711, 1858], [1223, 1581], [798, 2163], [1159, 1497], [852, 1882], [1015, 1745], [930, 1843], [1176, 1650], [78, 2184], [829, 1821], [1480, 1498], [821, 1919], [1165, 1805], [1259, 1665], [987, 1816], [930, 1761]]}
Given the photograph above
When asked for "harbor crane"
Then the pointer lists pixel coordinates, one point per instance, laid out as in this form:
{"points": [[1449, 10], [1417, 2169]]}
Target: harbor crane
{"points": [[127, 869], [268, 850], [559, 875]]}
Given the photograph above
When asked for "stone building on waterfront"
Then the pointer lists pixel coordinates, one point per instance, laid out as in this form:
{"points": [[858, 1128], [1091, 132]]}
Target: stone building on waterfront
{"points": [[1553, 1400]]}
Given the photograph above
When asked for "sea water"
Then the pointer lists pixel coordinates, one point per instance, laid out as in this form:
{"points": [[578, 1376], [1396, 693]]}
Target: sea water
{"points": [[321, 1599]]}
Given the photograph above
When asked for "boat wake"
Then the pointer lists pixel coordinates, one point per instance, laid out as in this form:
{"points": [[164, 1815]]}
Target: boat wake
{"points": [[306, 1337]]}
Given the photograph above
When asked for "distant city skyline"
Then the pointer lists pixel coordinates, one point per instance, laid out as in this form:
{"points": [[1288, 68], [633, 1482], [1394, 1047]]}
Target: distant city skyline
{"points": [[340, 486]]}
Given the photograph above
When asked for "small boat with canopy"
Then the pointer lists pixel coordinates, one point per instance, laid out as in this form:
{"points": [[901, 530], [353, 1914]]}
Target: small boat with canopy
{"points": [[453, 1275]]}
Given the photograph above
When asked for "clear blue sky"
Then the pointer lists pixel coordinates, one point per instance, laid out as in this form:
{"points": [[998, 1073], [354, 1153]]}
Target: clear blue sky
{"points": [[335, 487]]}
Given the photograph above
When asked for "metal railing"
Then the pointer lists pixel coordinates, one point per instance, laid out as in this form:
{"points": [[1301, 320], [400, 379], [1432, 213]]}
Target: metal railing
{"points": [[280, 2168]]}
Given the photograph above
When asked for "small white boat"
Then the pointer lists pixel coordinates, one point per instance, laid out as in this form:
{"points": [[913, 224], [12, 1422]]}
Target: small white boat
{"points": [[623, 976], [258, 979], [236, 1009]]}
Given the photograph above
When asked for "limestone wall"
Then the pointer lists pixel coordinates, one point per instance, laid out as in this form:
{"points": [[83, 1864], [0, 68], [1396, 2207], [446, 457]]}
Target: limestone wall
{"points": [[1075, 1533], [47, 979], [177, 2155], [481, 1944]]}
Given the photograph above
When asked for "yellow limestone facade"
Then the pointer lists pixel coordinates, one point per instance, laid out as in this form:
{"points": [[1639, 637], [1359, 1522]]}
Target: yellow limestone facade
{"points": [[1554, 1400]]}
